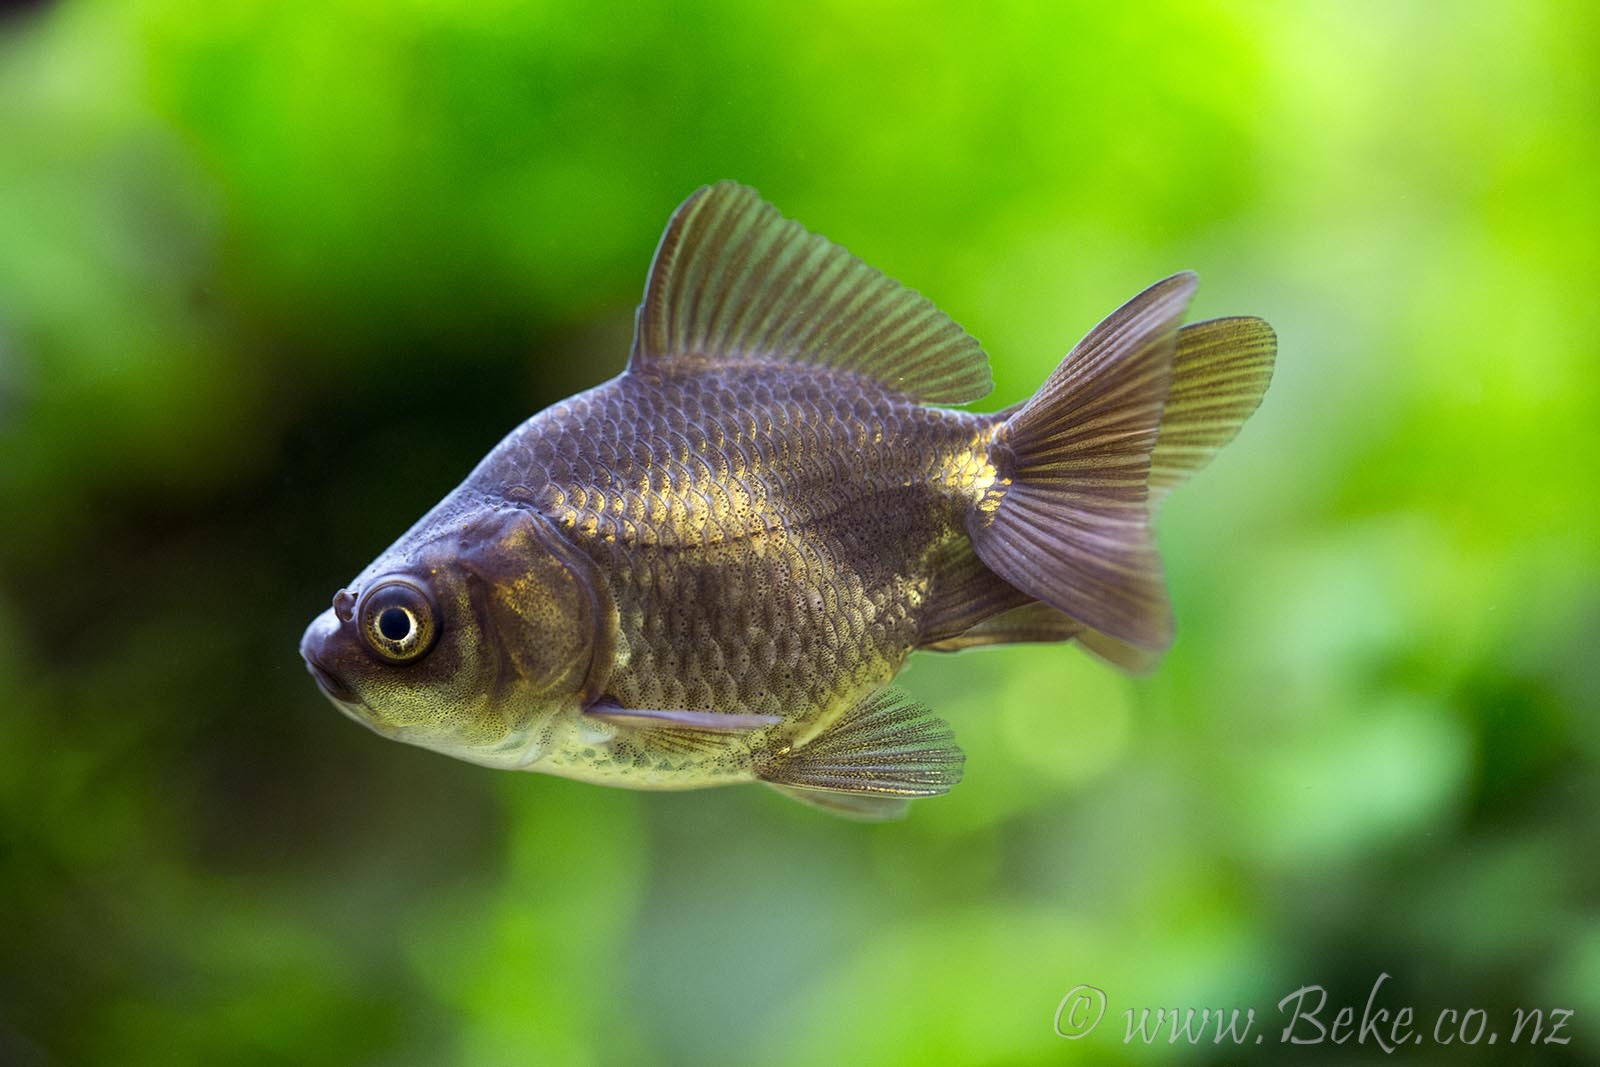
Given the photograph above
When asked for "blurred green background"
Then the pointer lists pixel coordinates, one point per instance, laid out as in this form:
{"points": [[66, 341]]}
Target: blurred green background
{"points": [[273, 276]]}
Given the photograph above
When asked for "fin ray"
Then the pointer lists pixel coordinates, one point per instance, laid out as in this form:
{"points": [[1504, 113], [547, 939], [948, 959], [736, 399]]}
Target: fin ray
{"points": [[1071, 526], [1220, 371], [884, 745], [964, 592], [734, 279], [1033, 623], [1039, 623]]}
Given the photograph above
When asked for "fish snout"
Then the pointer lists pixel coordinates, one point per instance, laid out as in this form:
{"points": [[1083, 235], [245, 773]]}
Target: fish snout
{"points": [[314, 649]]}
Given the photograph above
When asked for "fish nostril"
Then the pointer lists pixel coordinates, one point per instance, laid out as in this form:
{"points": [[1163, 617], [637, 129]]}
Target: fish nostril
{"points": [[344, 605]]}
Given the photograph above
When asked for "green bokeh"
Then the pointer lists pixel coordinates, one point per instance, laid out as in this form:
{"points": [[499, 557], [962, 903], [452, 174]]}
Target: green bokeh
{"points": [[273, 276]]}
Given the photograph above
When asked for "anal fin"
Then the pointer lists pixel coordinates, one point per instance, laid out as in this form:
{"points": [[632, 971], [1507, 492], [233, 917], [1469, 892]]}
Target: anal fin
{"points": [[964, 593], [885, 746], [1031, 623], [1039, 623]]}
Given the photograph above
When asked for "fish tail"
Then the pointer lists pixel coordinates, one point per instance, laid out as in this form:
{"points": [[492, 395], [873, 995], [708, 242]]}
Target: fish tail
{"points": [[1068, 518]]}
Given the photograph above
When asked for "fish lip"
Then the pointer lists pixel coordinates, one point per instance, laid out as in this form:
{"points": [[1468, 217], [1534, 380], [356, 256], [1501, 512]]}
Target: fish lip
{"points": [[332, 685]]}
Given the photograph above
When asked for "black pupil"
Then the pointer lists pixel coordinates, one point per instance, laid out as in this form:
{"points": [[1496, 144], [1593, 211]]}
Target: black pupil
{"points": [[394, 624]]}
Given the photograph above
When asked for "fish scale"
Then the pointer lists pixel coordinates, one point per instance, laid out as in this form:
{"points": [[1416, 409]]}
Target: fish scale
{"points": [[851, 623]]}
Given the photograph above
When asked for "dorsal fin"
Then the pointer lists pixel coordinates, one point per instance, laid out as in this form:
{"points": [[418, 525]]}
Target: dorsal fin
{"points": [[733, 279]]}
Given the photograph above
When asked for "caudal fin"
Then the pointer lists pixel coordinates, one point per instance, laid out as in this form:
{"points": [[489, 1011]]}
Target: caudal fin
{"points": [[1069, 520], [1220, 371]]}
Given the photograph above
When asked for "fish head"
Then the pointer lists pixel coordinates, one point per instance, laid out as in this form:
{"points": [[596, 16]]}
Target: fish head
{"points": [[467, 636]]}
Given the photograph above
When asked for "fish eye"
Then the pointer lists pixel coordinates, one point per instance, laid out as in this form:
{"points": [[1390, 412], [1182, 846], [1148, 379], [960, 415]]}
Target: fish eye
{"points": [[396, 624], [398, 621]]}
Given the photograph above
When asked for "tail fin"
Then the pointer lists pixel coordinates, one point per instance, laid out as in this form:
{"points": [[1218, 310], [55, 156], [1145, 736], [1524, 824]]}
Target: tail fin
{"points": [[1070, 524], [1220, 371]]}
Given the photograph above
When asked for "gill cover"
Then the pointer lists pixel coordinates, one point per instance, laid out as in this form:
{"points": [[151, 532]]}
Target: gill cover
{"points": [[544, 600]]}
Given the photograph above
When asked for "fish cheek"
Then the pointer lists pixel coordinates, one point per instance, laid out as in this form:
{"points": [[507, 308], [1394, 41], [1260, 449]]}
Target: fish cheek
{"points": [[543, 606]]}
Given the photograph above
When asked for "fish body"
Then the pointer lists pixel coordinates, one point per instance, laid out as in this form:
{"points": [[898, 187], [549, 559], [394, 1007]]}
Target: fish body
{"points": [[768, 537], [710, 569]]}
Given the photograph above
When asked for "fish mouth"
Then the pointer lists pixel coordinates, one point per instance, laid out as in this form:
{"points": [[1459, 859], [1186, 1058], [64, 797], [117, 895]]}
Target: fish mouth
{"points": [[332, 685]]}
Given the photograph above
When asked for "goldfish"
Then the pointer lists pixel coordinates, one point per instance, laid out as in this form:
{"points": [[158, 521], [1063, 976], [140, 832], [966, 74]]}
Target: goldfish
{"points": [[710, 569]]}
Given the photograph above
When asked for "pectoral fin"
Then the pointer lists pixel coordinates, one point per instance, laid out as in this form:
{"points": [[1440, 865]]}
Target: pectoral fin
{"points": [[885, 746], [679, 719]]}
